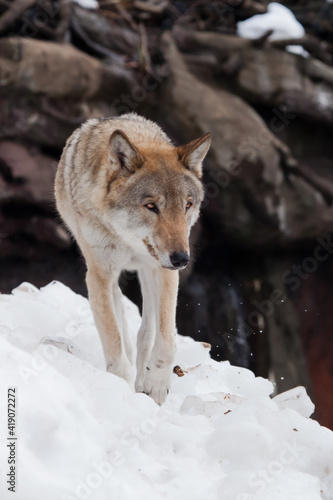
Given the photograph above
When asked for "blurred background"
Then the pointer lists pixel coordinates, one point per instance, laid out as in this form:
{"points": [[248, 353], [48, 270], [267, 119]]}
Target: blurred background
{"points": [[259, 77]]}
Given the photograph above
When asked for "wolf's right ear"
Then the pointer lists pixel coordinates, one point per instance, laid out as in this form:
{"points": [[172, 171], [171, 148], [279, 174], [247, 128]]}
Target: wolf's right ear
{"points": [[123, 154]]}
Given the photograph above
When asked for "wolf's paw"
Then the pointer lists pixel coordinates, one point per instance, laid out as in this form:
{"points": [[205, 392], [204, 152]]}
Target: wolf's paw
{"points": [[157, 382], [139, 384], [123, 370]]}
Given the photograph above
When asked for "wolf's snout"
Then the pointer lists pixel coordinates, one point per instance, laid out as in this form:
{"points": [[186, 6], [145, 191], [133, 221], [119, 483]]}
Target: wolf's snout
{"points": [[179, 259]]}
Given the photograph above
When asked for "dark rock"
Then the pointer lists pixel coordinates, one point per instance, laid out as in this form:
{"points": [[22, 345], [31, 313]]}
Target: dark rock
{"points": [[27, 212]]}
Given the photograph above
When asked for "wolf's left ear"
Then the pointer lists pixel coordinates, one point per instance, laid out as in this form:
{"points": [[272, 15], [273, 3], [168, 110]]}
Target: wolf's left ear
{"points": [[193, 154], [123, 153]]}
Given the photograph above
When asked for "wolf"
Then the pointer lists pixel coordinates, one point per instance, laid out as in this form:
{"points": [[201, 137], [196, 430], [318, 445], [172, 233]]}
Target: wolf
{"points": [[130, 198]]}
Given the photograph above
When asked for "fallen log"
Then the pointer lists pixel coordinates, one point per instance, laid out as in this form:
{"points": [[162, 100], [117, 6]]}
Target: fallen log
{"points": [[58, 70]]}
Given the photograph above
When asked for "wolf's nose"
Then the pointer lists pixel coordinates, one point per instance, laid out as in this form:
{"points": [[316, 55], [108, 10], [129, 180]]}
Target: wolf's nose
{"points": [[179, 259]]}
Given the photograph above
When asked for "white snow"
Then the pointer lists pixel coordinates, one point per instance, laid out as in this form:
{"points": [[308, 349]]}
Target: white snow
{"points": [[277, 18], [87, 4], [83, 434]]}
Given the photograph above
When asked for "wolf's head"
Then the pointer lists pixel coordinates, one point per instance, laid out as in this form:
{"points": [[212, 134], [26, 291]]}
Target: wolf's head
{"points": [[155, 193]]}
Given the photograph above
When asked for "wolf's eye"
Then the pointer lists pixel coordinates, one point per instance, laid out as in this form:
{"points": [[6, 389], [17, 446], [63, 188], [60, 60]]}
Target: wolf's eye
{"points": [[152, 207], [189, 204]]}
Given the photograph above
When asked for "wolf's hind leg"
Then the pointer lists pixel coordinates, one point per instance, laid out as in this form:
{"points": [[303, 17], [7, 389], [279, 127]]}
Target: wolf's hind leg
{"points": [[146, 334], [102, 302], [158, 376]]}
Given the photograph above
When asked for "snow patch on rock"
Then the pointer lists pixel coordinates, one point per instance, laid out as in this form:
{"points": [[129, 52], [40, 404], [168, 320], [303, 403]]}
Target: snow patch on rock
{"points": [[278, 18], [87, 4]]}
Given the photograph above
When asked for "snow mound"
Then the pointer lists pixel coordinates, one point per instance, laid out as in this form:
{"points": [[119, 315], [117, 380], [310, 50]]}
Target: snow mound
{"points": [[83, 434]]}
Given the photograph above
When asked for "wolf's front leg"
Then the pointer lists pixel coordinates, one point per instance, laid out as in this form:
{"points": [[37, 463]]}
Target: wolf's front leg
{"points": [[150, 285], [160, 365], [101, 288], [121, 320]]}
